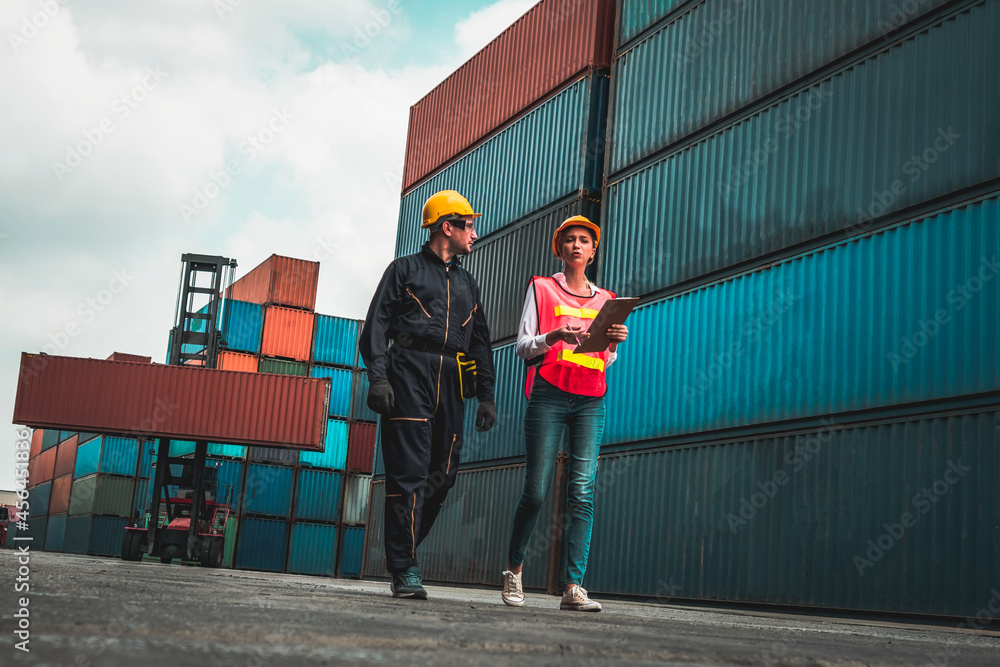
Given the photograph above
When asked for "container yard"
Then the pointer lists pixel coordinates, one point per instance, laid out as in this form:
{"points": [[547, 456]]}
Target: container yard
{"points": [[802, 429]]}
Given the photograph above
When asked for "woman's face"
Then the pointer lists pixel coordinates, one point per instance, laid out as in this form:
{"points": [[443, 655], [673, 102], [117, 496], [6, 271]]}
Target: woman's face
{"points": [[577, 246]]}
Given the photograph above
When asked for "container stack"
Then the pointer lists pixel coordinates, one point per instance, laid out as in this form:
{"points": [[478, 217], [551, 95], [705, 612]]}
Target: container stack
{"points": [[811, 224], [519, 130]]}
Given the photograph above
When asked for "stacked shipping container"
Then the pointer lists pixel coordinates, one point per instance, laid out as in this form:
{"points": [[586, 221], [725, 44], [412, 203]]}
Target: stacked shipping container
{"points": [[811, 223]]}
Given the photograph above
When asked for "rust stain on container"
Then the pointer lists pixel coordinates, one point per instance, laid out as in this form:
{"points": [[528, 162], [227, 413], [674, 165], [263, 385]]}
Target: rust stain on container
{"points": [[177, 402], [283, 281], [287, 333], [236, 361], [553, 42]]}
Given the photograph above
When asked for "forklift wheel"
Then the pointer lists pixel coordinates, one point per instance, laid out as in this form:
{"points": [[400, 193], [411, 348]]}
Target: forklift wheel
{"points": [[131, 543], [211, 554]]}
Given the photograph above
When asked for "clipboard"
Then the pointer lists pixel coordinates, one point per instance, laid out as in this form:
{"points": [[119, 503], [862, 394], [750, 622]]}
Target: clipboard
{"points": [[614, 311]]}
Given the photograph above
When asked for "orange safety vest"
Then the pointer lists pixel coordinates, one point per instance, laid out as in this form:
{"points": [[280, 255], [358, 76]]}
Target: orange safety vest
{"points": [[583, 373]]}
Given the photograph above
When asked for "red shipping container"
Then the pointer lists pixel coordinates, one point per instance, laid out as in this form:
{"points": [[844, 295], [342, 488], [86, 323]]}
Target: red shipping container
{"points": [[236, 361], [134, 358], [553, 42], [288, 333], [177, 402], [59, 500], [36, 443], [361, 447], [45, 466], [282, 281], [66, 457]]}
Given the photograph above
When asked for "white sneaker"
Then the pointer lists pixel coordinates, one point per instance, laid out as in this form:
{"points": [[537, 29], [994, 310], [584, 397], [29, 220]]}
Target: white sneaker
{"points": [[513, 594], [576, 599]]}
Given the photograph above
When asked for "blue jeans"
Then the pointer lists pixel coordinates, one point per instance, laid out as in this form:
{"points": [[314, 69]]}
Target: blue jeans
{"points": [[549, 410]]}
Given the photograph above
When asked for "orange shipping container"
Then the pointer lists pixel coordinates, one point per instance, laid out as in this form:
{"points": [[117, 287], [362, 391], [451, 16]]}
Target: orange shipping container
{"points": [[36, 443], [45, 466], [235, 361], [288, 333], [66, 458], [282, 281], [59, 500]]}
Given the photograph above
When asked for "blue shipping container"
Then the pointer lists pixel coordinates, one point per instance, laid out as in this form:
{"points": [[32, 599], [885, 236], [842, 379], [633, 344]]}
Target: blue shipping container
{"points": [[110, 455], [228, 451], [147, 452], [361, 410], [637, 15], [313, 549], [334, 454], [106, 533], [335, 341], [54, 532], [318, 495], [37, 526], [268, 490], [38, 499], [551, 152], [229, 481], [506, 438], [242, 326], [908, 314], [262, 545], [76, 537], [351, 551], [340, 391]]}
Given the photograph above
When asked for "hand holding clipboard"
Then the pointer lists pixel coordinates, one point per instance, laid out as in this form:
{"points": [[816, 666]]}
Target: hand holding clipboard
{"points": [[614, 311]]}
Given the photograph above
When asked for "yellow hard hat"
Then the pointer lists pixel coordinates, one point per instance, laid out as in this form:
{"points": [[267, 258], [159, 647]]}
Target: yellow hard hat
{"points": [[575, 221], [444, 203]]}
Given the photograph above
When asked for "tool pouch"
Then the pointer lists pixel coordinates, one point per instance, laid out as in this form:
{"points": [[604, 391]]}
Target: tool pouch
{"points": [[466, 376]]}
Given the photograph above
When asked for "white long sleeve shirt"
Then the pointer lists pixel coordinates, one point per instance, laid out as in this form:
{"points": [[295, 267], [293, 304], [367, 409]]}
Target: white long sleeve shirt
{"points": [[531, 342]]}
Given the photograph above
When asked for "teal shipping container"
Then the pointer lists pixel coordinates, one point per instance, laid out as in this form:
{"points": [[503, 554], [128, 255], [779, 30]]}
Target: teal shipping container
{"points": [[896, 516], [181, 447], [741, 52], [817, 164], [37, 527], [908, 314], [94, 535], [54, 532], [142, 497], [38, 499], [334, 454], [318, 495], [227, 451], [263, 545], [268, 490], [469, 541], [342, 383], [50, 439], [352, 540], [635, 16], [504, 263], [506, 439], [242, 326], [108, 454], [335, 341], [147, 452], [361, 411], [313, 549], [548, 154], [228, 481]]}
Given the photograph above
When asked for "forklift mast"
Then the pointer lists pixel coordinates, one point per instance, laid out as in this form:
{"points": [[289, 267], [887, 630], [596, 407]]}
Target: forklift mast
{"points": [[194, 340]]}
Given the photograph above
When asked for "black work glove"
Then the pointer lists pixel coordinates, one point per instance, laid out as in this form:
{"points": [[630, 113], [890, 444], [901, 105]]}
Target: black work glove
{"points": [[486, 415], [380, 398]]}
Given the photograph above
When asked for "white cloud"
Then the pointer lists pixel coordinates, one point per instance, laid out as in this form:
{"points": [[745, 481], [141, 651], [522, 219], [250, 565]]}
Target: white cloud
{"points": [[482, 27]]}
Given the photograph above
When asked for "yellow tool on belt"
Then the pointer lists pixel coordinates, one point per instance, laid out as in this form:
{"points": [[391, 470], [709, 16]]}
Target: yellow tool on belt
{"points": [[466, 376]]}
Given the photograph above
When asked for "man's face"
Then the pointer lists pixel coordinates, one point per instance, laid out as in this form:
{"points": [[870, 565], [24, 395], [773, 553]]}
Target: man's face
{"points": [[460, 241]]}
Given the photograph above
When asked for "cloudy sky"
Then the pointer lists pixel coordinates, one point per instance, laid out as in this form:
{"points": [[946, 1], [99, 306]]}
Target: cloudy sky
{"points": [[119, 119]]}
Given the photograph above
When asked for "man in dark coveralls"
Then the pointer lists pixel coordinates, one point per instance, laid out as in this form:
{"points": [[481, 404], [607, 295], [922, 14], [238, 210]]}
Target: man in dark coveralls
{"points": [[429, 306]]}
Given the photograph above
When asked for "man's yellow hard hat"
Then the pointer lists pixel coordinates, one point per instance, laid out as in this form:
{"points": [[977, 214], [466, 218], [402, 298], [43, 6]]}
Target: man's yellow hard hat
{"points": [[446, 203], [575, 221]]}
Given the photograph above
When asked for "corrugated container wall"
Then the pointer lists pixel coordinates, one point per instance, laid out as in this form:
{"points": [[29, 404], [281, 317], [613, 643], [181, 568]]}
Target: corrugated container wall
{"points": [[213, 405], [506, 439], [351, 551], [361, 447], [38, 499], [278, 280], [335, 341], [360, 410], [818, 163], [552, 152], [287, 333], [356, 499], [102, 494], [108, 454], [553, 42], [809, 520], [341, 386], [59, 499], [65, 457], [242, 326], [313, 549], [502, 264], [235, 361], [268, 490], [54, 532], [635, 16], [334, 454], [318, 495], [262, 545], [37, 435], [903, 316], [281, 367], [766, 45]]}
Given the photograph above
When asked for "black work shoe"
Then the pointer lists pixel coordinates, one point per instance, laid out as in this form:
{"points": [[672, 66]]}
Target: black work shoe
{"points": [[407, 584]]}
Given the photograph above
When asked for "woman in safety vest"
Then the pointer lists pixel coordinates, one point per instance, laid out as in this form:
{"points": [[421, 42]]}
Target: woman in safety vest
{"points": [[563, 388]]}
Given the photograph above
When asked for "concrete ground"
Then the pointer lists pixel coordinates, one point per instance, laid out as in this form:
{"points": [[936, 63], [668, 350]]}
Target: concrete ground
{"points": [[86, 611]]}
